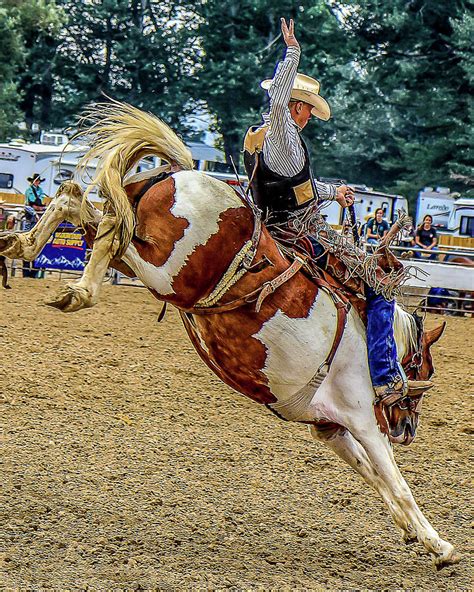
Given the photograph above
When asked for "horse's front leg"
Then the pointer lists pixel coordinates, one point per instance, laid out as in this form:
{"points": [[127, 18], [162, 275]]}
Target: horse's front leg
{"points": [[341, 441], [84, 292], [395, 489]]}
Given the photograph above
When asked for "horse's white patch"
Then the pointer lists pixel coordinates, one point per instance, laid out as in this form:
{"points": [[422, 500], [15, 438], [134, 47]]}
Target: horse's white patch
{"points": [[201, 200], [296, 347]]}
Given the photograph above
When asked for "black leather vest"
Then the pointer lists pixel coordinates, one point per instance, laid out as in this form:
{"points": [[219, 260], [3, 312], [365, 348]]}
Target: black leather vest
{"points": [[274, 194]]}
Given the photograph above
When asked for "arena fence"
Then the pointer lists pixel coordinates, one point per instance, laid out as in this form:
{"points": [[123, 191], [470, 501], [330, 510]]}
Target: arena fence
{"points": [[448, 289]]}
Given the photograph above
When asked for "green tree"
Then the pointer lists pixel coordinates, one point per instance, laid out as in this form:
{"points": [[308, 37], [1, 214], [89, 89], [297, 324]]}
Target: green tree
{"points": [[241, 44], [39, 22], [11, 56], [131, 50], [403, 109]]}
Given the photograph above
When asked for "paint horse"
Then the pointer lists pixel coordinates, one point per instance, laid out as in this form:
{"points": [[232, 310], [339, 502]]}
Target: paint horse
{"points": [[262, 324]]}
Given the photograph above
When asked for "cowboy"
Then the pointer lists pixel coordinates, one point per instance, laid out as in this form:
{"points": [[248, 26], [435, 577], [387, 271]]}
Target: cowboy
{"points": [[35, 195], [277, 163]]}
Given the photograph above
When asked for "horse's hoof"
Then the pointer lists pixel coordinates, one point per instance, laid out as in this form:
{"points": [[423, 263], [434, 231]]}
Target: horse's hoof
{"points": [[10, 245], [445, 561], [72, 299]]}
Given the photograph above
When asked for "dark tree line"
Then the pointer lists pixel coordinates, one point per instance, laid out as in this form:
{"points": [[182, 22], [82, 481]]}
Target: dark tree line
{"points": [[398, 74]]}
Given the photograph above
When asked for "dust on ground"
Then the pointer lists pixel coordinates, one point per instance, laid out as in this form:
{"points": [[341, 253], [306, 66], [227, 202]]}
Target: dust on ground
{"points": [[129, 466]]}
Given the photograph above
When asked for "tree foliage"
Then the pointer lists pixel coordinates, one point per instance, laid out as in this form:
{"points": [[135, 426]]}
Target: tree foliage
{"points": [[27, 38], [403, 110], [129, 49], [398, 75]]}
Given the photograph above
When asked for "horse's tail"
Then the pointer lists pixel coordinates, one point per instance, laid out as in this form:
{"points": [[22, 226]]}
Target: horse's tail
{"points": [[119, 135]]}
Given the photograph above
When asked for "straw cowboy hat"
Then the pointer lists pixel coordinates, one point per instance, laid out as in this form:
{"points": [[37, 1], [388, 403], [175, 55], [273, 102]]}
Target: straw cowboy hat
{"points": [[306, 89], [34, 178]]}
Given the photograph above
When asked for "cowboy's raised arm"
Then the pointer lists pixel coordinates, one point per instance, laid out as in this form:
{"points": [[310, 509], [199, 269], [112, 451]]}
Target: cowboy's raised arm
{"points": [[284, 78], [283, 150]]}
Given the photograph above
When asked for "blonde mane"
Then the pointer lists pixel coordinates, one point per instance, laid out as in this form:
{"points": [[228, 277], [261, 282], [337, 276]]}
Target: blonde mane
{"points": [[405, 331]]}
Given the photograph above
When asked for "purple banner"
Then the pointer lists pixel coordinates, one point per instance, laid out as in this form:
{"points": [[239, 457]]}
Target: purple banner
{"points": [[65, 249]]}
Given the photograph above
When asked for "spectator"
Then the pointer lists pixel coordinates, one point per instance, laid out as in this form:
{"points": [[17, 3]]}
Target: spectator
{"points": [[376, 228], [35, 195], [426, 238], [34, 206]]}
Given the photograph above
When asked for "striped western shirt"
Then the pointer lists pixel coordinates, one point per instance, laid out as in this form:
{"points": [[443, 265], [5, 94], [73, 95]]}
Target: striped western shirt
{"points": [[282, 149]]}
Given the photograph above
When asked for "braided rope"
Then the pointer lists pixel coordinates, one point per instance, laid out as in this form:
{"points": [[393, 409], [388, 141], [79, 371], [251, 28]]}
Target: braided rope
{"points": [[358, 262], [230, 277]]}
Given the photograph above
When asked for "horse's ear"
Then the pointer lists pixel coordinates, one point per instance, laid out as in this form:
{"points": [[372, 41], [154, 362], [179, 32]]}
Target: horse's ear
{"points": [[433, 335]]}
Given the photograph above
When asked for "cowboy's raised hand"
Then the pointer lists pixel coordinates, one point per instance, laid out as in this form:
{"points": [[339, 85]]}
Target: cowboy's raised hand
{"points": [[288, 33]]}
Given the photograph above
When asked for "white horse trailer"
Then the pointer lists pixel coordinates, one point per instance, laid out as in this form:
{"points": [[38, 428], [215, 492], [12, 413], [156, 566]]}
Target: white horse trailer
{"points": [[367, 200], [438, 203], [19, 160], [461, 218]]}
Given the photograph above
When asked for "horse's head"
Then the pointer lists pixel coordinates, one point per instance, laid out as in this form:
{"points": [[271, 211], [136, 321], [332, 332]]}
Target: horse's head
{"points": [[403, 417]]}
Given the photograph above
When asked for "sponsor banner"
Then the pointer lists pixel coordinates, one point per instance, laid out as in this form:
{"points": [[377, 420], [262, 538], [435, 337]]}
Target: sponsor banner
{"points": [[65, 249]]}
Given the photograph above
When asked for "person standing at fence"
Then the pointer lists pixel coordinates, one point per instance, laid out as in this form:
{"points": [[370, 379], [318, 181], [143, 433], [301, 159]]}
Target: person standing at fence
{"points": [[426, 238], [34, 206], [34, 195], [377, 228]]}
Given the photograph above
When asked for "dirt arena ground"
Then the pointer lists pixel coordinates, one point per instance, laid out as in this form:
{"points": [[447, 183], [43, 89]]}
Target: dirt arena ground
{"points": [[128, 466]]}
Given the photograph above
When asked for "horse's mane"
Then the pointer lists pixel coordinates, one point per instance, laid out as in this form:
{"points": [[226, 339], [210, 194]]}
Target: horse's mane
{"points": [[405, 331]]}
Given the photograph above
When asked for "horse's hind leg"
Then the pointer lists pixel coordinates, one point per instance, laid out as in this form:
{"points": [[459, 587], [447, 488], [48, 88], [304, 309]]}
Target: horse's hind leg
{"points": [[341, 441], [4, 271], [66, 205], [84, 293]]}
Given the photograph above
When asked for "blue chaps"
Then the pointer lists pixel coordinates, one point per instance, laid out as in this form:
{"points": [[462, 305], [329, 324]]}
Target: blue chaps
{"points": [[381, 346]]}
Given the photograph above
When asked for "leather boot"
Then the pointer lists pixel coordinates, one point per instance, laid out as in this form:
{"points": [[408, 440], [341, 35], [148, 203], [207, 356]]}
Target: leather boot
{"points": [[418, 387], [389, 394]]}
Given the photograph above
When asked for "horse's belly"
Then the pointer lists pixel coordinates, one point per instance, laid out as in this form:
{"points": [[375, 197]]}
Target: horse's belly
{"points": [[276, 354]]}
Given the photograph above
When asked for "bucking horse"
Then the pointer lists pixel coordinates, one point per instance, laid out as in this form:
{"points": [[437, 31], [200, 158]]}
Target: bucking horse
{"points": [[260, 316]]}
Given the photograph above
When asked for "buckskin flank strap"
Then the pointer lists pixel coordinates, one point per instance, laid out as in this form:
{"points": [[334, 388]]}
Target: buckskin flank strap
{"points": [[258, 294], [269, 287]]}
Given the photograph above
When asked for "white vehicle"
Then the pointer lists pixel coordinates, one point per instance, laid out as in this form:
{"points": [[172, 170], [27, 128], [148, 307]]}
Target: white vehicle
{"points": [[438, 203], [461, 218], [212, 161], [367, 200], [19, 160]]}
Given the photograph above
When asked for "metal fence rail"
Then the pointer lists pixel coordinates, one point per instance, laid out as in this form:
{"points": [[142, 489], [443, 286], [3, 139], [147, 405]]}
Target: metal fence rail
{"points": [[459, 298]]}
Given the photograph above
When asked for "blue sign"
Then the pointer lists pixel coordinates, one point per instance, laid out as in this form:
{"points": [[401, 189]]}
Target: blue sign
{"points": [[65, 249]]}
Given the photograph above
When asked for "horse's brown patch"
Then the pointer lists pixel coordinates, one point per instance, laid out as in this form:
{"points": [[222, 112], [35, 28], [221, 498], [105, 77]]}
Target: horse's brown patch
{"points": [[209, 262], [232, 351], [157, 230]]}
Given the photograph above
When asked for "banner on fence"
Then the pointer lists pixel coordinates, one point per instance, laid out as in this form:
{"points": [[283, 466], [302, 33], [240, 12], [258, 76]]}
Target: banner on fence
{"points": [[66, 249]]}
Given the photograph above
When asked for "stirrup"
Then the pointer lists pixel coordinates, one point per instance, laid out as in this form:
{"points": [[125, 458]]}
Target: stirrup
{"points": [[389, 394], [418, 387]]}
